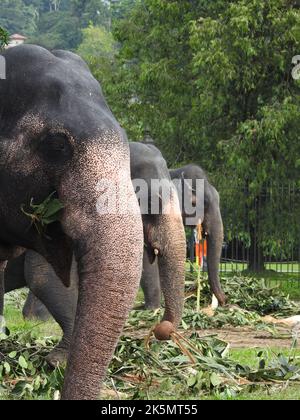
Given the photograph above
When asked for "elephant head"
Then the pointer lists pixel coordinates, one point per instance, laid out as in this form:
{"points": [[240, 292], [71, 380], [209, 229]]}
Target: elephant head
{"points": [[57, 134]]}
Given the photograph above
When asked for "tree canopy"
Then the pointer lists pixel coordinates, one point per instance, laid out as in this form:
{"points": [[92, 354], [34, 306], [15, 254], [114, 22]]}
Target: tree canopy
{"points": [[211, 80], [59, 23]]}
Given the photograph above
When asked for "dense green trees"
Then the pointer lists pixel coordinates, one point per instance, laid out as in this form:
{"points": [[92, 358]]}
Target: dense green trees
{"points": [[98, 49], [251, 106], [58, 23], [57, 29], [16, 16], [213, 82]]}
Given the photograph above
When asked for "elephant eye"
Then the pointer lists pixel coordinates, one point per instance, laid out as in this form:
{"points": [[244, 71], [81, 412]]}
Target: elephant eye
{"points": [[55, 148]]}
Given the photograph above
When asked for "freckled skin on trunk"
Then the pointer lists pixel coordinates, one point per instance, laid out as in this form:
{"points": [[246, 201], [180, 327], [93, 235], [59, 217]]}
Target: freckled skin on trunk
{"points": [[103, 306], [106, 293], [164, 232]]}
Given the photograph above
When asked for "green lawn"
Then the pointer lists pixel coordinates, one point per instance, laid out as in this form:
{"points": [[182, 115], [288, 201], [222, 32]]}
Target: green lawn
{"points": [[16, 323], [288, 282], [269, 392], [289, 267]]}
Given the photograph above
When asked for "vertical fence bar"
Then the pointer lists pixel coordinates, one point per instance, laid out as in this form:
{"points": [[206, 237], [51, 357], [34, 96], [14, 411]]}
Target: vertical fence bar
{"points": [[281, 254]]}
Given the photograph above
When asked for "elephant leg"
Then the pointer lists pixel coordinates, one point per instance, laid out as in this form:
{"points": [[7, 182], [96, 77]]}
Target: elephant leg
{"points": [[35, 309], [60, 301], [14, 274], [150, 283]]}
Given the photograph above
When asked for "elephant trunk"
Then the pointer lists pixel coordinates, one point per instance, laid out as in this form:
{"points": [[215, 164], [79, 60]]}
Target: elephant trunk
{"points": [[106, 292], [171, 263], [214, 228], [166, 237]]}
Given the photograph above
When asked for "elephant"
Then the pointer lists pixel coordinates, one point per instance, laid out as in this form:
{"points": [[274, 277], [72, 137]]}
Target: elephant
{"points": [[58, 136], [212, 227], [164, 246]]}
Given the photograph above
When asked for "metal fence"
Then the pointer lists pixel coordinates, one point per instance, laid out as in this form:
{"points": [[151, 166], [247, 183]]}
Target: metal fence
{"points": [[261, 235]]}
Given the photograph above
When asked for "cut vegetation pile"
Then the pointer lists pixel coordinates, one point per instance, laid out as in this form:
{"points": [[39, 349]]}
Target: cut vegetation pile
{"points": [[196, 368]]}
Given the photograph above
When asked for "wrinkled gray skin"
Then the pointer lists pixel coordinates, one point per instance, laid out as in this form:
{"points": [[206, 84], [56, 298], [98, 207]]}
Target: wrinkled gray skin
{"points": [[58, 134], [212, 229], [150, 281], [164, 233]]}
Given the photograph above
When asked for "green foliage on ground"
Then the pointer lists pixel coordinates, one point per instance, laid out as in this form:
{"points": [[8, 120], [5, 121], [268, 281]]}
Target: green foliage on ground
{"points": [[205, 368], [249, 299], [161, 372]]}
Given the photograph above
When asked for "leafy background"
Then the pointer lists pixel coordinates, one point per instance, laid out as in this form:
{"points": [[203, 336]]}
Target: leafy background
{"points": [[212, 83]]}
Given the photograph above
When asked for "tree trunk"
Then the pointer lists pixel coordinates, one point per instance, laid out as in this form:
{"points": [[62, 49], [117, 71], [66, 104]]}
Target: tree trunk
{"points": [[256, 256]]}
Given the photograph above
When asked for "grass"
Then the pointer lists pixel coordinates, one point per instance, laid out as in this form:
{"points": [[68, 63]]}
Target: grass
{"points": [[250, 357], [272, 392], [16, 323], [280, 267]]}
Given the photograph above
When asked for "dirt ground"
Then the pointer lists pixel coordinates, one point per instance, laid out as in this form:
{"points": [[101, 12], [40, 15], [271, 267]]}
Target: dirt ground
{"points": [[245, 337], [238, 337]]}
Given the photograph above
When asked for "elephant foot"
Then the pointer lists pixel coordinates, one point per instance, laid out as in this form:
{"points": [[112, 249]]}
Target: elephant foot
{"points": [[57, 357]]}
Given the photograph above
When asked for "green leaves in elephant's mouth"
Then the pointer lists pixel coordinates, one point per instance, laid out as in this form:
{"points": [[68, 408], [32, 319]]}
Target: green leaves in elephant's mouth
{"points": [[45, 213]]}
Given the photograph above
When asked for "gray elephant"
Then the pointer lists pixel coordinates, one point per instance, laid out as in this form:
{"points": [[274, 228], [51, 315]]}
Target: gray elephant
{"points": [[164, 245], [212, 227], [57, 134]]}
